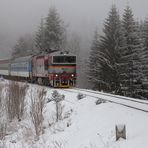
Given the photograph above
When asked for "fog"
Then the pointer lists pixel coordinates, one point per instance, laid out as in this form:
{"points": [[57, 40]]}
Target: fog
{"points": [[18, 17]]}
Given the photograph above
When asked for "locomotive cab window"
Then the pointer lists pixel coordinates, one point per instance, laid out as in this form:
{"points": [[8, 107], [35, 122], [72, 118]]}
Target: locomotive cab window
{"points": [[64, 59]]}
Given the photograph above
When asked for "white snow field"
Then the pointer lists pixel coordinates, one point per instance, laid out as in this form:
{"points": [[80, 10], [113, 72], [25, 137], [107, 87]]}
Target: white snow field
{"points": [[84, 124]]}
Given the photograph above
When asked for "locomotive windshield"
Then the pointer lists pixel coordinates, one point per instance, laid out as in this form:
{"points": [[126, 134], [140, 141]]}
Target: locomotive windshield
{"points": [[64, 59]]}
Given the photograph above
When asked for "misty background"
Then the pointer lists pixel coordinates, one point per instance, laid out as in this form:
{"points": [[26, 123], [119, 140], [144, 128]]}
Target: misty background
{"points": [[82, 17]]}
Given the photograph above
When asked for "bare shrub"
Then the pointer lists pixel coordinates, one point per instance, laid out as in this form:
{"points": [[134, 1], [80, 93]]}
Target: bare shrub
{"points": [[0, 95], [37, 105], [57, 98], [28, 134], [15, 99], [59, 111], [57, 144], [3, 129], [80, 96], [68, 113], [99, 101], [2, 105], [3, 144]]}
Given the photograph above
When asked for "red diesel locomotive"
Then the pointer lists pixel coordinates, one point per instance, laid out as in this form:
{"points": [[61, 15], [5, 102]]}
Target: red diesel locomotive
{"points": [[57, 69]]}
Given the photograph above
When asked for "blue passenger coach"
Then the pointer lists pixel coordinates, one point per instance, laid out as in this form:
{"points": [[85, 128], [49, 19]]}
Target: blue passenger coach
{"points": [[21, 67]]}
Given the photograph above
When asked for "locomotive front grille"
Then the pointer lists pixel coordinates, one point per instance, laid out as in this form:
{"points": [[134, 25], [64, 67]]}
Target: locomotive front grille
{"points": [[64, 82]]}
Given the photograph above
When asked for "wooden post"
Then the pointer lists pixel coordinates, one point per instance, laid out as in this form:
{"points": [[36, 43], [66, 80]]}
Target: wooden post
{"points": [[120, 131]]}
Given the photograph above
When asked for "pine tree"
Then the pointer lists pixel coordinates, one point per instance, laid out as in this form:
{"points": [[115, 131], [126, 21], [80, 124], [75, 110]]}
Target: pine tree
{"points": [[144, 36], [40, 38], [93, 61], [109, 54], [73, 43], [17, 49], [24, 46], [132, 55], [54, 31]]}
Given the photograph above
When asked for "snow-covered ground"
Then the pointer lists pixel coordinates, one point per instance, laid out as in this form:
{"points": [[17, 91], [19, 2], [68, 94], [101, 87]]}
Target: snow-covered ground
{"points": [[84, 124]]}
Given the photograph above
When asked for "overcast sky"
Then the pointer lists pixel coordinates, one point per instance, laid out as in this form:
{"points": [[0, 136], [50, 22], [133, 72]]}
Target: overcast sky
{"points": [[18, 17]]}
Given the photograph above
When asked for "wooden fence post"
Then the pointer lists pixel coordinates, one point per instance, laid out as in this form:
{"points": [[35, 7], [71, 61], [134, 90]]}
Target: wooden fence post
{"points": [[120, 131]]}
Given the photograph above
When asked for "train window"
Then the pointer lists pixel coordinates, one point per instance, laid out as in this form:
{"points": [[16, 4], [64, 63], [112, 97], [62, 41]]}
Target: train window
{"points": [[58, 59], [70, 59], [64, 59]]}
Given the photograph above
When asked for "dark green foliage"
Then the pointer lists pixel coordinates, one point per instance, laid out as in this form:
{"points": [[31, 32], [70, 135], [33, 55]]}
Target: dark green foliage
{"points": [[40, 37], [93, 61], [110, 51], [51, 33], [144, 36], [118, 59], [19, 48], [105, 55], [23, 47], [132, 55]]}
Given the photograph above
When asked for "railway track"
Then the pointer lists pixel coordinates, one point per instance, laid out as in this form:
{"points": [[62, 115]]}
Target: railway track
{"points": [[137, 104], [115, 96]]}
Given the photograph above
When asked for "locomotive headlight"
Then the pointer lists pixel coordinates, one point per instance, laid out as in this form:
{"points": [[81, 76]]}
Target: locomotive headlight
{"points": [[56, 75], [72, 75]]}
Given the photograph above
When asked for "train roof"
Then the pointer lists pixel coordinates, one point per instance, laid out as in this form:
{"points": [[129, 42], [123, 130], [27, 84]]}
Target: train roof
{"points": [[22, 59], [28, 58], [2, 61]]}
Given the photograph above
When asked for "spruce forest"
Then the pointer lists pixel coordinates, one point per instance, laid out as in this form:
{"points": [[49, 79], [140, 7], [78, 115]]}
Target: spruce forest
{"points": [[118, 61]]}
